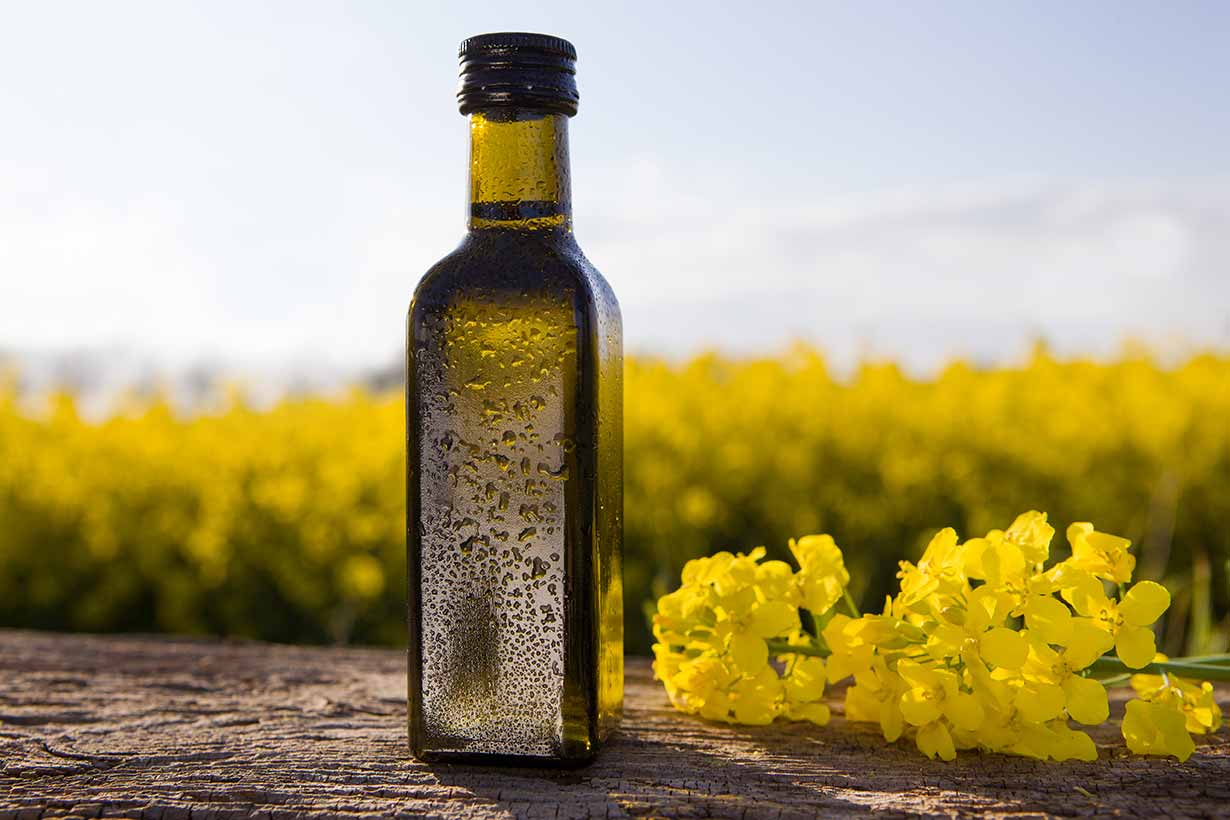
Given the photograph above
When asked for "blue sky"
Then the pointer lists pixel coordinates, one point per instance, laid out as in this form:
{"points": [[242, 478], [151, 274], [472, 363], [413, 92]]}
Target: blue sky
{"points": [[266, 182]]}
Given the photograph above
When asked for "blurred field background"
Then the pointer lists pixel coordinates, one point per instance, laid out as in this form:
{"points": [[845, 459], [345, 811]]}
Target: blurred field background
{"points": [[286, 523]]}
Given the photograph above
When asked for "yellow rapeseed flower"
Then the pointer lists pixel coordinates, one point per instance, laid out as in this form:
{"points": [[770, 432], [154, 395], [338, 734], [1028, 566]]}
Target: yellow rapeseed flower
{"points": [[1201, 712], [1157, 728], [822, 575], [1129, 620], [1084, 698], [1103, 555]]}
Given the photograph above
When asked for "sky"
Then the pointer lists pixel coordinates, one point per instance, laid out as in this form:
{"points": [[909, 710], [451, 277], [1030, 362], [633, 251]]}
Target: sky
{"points": [[265, 183]]}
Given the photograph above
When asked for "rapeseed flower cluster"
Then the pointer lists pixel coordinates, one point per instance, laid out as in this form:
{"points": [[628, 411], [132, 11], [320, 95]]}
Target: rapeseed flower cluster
{"points": [[984, 646], [715, 634]]}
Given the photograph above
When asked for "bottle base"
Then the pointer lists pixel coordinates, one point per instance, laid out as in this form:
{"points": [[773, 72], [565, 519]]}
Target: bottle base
{"points": [[512, 761]]}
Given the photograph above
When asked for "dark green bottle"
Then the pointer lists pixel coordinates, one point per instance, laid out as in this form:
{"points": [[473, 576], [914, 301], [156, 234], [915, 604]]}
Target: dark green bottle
{"points": [[514, 409]]}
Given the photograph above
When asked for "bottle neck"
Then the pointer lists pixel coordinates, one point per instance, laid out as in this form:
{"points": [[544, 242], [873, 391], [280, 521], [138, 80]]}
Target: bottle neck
{"points": [[519, 175]]}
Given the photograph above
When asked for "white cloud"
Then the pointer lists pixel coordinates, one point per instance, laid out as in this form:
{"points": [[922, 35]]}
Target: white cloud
{"points": [[74, 271], [915, 272], [922, 272]]}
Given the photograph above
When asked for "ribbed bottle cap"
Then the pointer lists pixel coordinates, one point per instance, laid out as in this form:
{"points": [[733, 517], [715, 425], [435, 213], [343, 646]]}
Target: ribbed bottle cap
{"points": [[536, 72]]}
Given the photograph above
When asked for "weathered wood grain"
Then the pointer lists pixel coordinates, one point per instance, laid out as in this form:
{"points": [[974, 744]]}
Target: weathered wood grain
{"points": [[197, 730]]}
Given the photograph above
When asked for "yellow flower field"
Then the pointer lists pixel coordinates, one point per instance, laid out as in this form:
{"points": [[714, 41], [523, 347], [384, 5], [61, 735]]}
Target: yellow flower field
{"points": [[287, 523]]}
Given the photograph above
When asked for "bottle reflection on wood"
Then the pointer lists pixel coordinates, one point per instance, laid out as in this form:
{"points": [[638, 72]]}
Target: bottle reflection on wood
{"points": [[515, 444]]}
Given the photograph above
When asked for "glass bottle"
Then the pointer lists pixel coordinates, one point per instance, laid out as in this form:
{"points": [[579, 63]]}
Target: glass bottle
{"points": [[515, 443]]}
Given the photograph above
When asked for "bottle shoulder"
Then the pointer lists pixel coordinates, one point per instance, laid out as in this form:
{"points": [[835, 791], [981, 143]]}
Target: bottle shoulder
{"points": [[498, 264]]}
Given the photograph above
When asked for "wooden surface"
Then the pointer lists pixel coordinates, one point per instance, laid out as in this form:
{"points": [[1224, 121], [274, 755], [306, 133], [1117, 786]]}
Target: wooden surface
{"points": [[192, 730]]}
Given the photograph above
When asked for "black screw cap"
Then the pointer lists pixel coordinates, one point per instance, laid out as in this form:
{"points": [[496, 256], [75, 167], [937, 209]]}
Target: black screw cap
{"points": [[534, 72]]}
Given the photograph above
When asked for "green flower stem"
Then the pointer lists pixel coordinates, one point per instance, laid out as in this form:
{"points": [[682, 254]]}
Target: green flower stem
{"points": [[1212, 660], [778, 647], [1211, 668], [854, 613], [810, 624], [1108, 669], [1117, 680]]}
